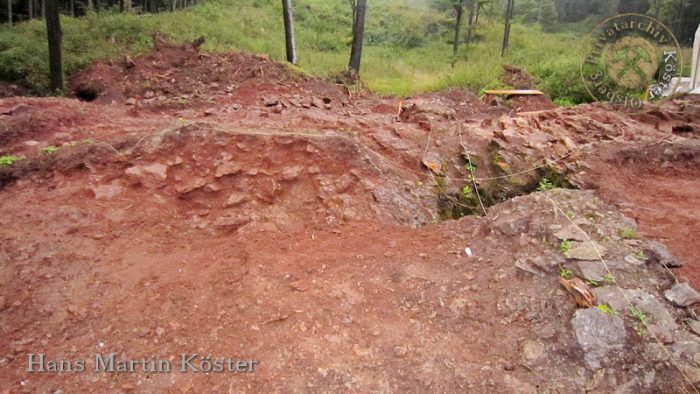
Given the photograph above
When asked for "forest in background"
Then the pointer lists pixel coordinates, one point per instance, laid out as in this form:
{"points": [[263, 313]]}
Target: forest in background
{"points": [[408, 43]]}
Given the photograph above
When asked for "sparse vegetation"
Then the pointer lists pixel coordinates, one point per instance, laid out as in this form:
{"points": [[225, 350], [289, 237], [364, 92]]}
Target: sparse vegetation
{"points": [[608, 279], [544, 185], [641, 255], [8, 160], [628, 233], [592, 283], [565, 273], [606, 309], [641, 317], [49, 150], [565, 246], [467, 192]]}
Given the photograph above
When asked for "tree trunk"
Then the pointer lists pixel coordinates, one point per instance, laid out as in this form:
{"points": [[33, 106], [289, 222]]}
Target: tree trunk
{"points": [[472, 13], [172, 5], [30, 9], [9, 12], [358, 34], [506, 34], [289, 31], [459, 7], [127, 5], [53, 32], [72, 8]]}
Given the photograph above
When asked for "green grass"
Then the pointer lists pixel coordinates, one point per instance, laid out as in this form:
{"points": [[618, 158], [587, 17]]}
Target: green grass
{"points": [[565, 273], [565, 246], [49, 150], [6, 161], [628, 233], [407, 49]]}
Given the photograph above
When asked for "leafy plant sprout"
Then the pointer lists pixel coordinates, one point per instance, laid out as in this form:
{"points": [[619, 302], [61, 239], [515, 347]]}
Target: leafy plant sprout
{"points": [[565, 246], [49, 150], [8, 160], [565, 273], [545, 184]]}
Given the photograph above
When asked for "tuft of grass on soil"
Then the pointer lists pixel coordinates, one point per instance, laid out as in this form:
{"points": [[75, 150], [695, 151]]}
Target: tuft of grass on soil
{"points": [[6, 161]]}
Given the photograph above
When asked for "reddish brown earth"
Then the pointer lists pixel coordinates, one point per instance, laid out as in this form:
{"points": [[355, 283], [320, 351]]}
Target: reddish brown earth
{"points": [[294, 222]]}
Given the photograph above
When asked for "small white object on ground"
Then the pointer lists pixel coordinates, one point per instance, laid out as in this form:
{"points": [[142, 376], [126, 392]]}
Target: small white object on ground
{"points": [[468, 251]]}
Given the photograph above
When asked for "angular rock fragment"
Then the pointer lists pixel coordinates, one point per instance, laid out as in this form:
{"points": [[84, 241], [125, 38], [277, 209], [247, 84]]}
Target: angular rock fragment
{"points": [[150, 175], [586, 251], [599, 334], [235, 199], [227, 168], [658, 253], [682, 294], [570, 232], [190, 185]]}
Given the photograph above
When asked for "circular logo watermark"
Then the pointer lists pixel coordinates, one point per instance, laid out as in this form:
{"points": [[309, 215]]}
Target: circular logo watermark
{"points": [[629, 60]]}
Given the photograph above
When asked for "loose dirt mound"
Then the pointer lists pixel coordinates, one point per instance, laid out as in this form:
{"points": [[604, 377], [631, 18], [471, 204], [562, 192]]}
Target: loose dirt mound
{"points": [[179, 76]]}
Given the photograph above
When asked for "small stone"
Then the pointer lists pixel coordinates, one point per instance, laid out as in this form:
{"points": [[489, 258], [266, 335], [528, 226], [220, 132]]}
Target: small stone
{"points": [[633, 260], [228, 168], [360, 351], [31, 143], [235, 199], [586, 251], [213, 187], [682, 295], [231, 222], [300, 285], [306, 102], [525, 265], [400, 351], [272, 102], [592, 270], [190, 185], [291, 173], [533, 350], [150, 176], [658, 253], [317, 102], [160, 331]]}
